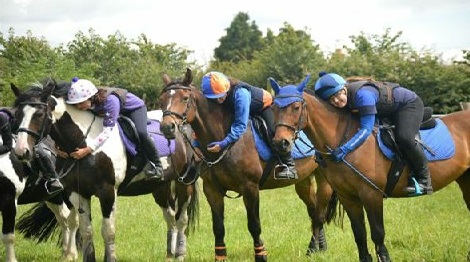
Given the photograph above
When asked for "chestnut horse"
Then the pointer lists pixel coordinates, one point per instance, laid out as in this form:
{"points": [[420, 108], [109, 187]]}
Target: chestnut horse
{"points": [[361, 179], [107, 173], [239, 168]]}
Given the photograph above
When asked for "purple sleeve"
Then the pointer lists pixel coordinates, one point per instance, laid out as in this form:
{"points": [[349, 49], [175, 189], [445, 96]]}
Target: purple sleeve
{"points": [[111, 108]]}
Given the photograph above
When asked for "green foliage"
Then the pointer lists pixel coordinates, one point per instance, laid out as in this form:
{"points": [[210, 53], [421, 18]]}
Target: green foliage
{"points": [[114, 61], [240, 42], [243, 53]]}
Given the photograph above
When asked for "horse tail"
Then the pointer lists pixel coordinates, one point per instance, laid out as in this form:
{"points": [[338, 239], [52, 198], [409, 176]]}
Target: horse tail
{"points": [[331, 209], [38, 223], [193, 208]]}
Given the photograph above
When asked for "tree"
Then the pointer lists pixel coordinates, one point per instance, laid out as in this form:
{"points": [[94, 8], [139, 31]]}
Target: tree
{"points": [[240, 42]]}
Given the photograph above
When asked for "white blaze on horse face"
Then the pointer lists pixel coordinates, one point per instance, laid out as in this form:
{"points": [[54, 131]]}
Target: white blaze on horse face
{"points": [[172, 92], [22, 140]]}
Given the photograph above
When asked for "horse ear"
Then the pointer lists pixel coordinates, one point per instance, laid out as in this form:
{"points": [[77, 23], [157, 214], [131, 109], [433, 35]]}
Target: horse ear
{"points": [[188, 77], [166, 79], [15, 90], [304, 83], [47, 91], [275, 86]]}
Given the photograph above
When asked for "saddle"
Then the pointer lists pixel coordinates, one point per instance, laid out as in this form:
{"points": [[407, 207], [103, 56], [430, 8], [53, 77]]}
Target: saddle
{"points": [[137, 159], [387, 136]]}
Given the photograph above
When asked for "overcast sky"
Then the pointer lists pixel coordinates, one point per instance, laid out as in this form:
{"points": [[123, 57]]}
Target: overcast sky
{"points": [[443, 26]]}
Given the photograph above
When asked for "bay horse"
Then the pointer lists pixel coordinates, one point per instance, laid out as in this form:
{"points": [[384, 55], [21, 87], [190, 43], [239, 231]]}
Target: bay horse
{"points": [[108, 172], [361, 179], [239, 168]]}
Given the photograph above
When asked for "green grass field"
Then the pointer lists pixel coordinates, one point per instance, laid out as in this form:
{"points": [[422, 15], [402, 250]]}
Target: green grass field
{"points": [[428, 228]]}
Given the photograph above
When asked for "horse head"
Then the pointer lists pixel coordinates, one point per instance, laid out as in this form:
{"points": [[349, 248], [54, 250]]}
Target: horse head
{"points": [[290, 114], [178, 103], [33, 116]]}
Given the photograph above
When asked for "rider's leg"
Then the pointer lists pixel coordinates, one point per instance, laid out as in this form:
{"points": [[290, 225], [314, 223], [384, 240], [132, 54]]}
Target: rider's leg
{"points": [[139, 117], [46, 159], [407, 122]]}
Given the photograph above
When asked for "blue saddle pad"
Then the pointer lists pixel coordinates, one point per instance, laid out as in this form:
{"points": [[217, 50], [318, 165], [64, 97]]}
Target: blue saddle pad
{"points": [[437, 139], [302, 146], [153, 128]]}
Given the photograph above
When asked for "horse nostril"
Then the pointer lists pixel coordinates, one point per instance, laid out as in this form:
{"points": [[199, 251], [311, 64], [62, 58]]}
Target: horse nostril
{"points": [[285, 144], [26, 154]]}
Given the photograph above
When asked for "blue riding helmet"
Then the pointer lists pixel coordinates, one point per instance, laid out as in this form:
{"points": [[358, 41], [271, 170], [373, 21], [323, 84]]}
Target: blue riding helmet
{"points": [[328, 84], [214, 85]]}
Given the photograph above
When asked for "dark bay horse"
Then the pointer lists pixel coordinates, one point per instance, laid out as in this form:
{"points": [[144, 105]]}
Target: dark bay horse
{"points": [[105, 173], [360, 181], [239, 168]]}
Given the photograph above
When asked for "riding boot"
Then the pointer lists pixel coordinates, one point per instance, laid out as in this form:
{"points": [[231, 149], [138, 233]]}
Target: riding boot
{"points": [[53, 185], [420, 183], [286, 168], [155, 170]]}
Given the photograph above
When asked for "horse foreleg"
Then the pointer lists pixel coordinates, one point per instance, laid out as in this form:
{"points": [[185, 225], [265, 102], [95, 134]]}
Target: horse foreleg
{"points": [[316, 208], [9, 243], [354, 210], [8, 228], [83, 207], [72, 222], [62, 214], [216, 203], [374, 210], [171, 233], [251, 201], [181, 225], [108, 230]]}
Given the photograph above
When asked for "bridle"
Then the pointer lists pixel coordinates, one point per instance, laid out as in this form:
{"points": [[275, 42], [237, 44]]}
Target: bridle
{"points": [[298, 128], [184, 122], [40, 134]]}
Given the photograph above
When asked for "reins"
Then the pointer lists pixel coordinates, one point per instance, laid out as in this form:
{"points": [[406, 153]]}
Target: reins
{"points": [[184, 121]]}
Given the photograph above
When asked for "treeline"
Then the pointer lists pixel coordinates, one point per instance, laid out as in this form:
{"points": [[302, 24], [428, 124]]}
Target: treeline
{"points": [[244, 52]]}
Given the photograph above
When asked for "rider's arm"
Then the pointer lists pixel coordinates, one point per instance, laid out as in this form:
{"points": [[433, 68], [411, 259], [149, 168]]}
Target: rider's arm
{"points": [[241, 115], [365, 129], [111, 108], [366, 102]]}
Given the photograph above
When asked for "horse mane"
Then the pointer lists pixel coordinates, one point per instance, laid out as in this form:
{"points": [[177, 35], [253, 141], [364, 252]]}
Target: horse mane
{"points": [[359, 78], [34, 90]]}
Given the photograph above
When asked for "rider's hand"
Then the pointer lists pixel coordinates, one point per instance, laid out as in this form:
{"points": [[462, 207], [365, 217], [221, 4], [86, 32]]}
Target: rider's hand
{"points": [[338, 154], [61, 153], [80, 153], [215, 147]]}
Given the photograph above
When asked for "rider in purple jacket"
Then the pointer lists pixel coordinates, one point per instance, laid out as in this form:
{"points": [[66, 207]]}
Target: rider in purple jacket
{"points": [[110, 103]]}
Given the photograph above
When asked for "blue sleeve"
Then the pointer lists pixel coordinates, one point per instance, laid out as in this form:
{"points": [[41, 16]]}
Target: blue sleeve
{"points": [[365, 129], [242, 112]]}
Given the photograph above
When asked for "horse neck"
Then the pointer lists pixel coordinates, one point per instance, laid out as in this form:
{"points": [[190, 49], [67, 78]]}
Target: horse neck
{"points": [[209, 124], [89, 123], [326, 125]]}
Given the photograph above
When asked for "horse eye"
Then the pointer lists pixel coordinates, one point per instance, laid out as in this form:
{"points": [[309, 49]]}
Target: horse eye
{"points": [[186, 99], [39, 114]]}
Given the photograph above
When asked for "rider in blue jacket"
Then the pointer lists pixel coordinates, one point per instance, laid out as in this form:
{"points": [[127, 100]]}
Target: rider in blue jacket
{"points": [[245, 100], [368, 99]]}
